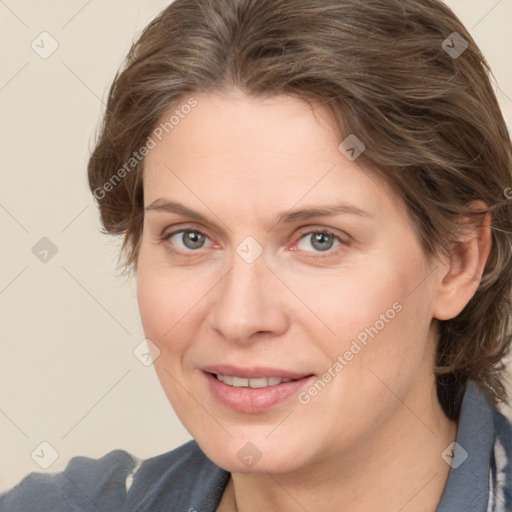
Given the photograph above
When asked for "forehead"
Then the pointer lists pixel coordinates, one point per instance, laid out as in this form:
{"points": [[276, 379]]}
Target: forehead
{"points": [[277, 150], [233, 122]]}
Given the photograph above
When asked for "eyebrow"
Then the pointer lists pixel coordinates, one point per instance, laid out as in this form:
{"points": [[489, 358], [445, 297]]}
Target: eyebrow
{"points": [[285, 218]]}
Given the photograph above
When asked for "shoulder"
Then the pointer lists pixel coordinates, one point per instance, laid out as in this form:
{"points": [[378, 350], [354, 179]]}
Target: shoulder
{"points": [[116, 480], [183, 479], [83, 482]]}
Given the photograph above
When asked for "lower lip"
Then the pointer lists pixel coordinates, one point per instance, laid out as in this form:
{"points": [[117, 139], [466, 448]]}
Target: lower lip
{"points": [[254, 400]]}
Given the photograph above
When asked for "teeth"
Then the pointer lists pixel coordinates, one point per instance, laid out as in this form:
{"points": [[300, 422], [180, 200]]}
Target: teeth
{"points": [[240, 383], [227, 380], [260, 382]]}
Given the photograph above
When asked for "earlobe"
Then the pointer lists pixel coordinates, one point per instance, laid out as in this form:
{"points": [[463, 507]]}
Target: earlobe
{"points": [[464, 267]]}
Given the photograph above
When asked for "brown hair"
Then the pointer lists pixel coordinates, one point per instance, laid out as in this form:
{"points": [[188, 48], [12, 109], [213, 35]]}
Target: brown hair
{"points": [[393, 73]]}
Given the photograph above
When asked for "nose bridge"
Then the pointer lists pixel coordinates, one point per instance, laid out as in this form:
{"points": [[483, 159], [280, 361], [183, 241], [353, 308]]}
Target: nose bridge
{"points": [[247, 301], [243, 279]]}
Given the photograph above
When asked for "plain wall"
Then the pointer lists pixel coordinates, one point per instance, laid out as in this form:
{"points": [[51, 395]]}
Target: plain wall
{"points": [[68, 375]]}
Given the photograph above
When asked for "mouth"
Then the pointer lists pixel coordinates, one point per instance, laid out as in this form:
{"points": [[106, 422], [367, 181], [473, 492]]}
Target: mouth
{"points": [[253, 390]]}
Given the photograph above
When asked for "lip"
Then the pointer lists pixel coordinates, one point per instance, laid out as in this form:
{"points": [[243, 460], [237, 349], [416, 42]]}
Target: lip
{"points": [[254, 400]]}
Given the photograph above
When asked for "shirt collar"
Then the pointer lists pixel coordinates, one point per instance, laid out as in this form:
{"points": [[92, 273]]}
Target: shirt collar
{"points": [[467, 488]]}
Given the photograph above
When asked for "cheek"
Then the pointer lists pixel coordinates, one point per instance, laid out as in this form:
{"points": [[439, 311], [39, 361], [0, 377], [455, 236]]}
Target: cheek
{"points": [[172, 304], [380, 351], [163, 303], [360, 305], [380, 317], [153, 301], [396, 350], [163, 310]]}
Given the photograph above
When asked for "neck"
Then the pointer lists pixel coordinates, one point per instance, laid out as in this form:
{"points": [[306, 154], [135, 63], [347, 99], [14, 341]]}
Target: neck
{"points": [[396, 467]]}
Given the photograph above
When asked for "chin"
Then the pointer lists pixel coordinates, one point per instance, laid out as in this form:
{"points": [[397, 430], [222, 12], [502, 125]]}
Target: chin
{"points": [[242, 456]]}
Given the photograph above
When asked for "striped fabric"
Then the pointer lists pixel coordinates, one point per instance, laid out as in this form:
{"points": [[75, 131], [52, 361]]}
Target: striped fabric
{"points": [[500, 475]]}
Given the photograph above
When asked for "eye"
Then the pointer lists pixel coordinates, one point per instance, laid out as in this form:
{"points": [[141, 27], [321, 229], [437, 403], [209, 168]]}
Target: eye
{"points": [[187, 239], [193, 240], [321, 241]]}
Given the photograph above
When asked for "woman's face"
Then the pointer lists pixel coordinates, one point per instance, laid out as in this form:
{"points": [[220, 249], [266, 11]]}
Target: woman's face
{"points": [[267, 254]]}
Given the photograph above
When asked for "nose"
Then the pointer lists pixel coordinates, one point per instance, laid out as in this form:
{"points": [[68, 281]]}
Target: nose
{"points": [[248, 303]]}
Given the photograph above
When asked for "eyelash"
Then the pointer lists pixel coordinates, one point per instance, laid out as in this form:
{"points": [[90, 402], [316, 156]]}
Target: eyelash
{"points": [[303, 234]]}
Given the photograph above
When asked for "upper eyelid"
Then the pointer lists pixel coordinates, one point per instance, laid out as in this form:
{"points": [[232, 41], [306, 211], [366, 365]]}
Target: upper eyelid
{"points": [[301, 231], [166, 235], [311, 231]]}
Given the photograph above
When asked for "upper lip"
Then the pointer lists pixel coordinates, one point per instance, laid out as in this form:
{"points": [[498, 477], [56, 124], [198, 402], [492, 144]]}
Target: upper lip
{"points": [[254, 372]]}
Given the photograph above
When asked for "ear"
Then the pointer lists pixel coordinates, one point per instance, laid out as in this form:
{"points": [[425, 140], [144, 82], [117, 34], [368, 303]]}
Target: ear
{"points": [[462, 270]]}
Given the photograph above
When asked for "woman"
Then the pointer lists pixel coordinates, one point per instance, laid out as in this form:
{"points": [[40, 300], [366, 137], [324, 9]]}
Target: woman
{"points": [[313, 197]]}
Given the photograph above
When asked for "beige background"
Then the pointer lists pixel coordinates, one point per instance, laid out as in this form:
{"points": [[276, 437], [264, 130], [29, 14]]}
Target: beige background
{"points": [[69, 326]]}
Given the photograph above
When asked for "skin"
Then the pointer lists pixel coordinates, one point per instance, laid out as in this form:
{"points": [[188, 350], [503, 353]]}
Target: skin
{"points": [[373, 437]]}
